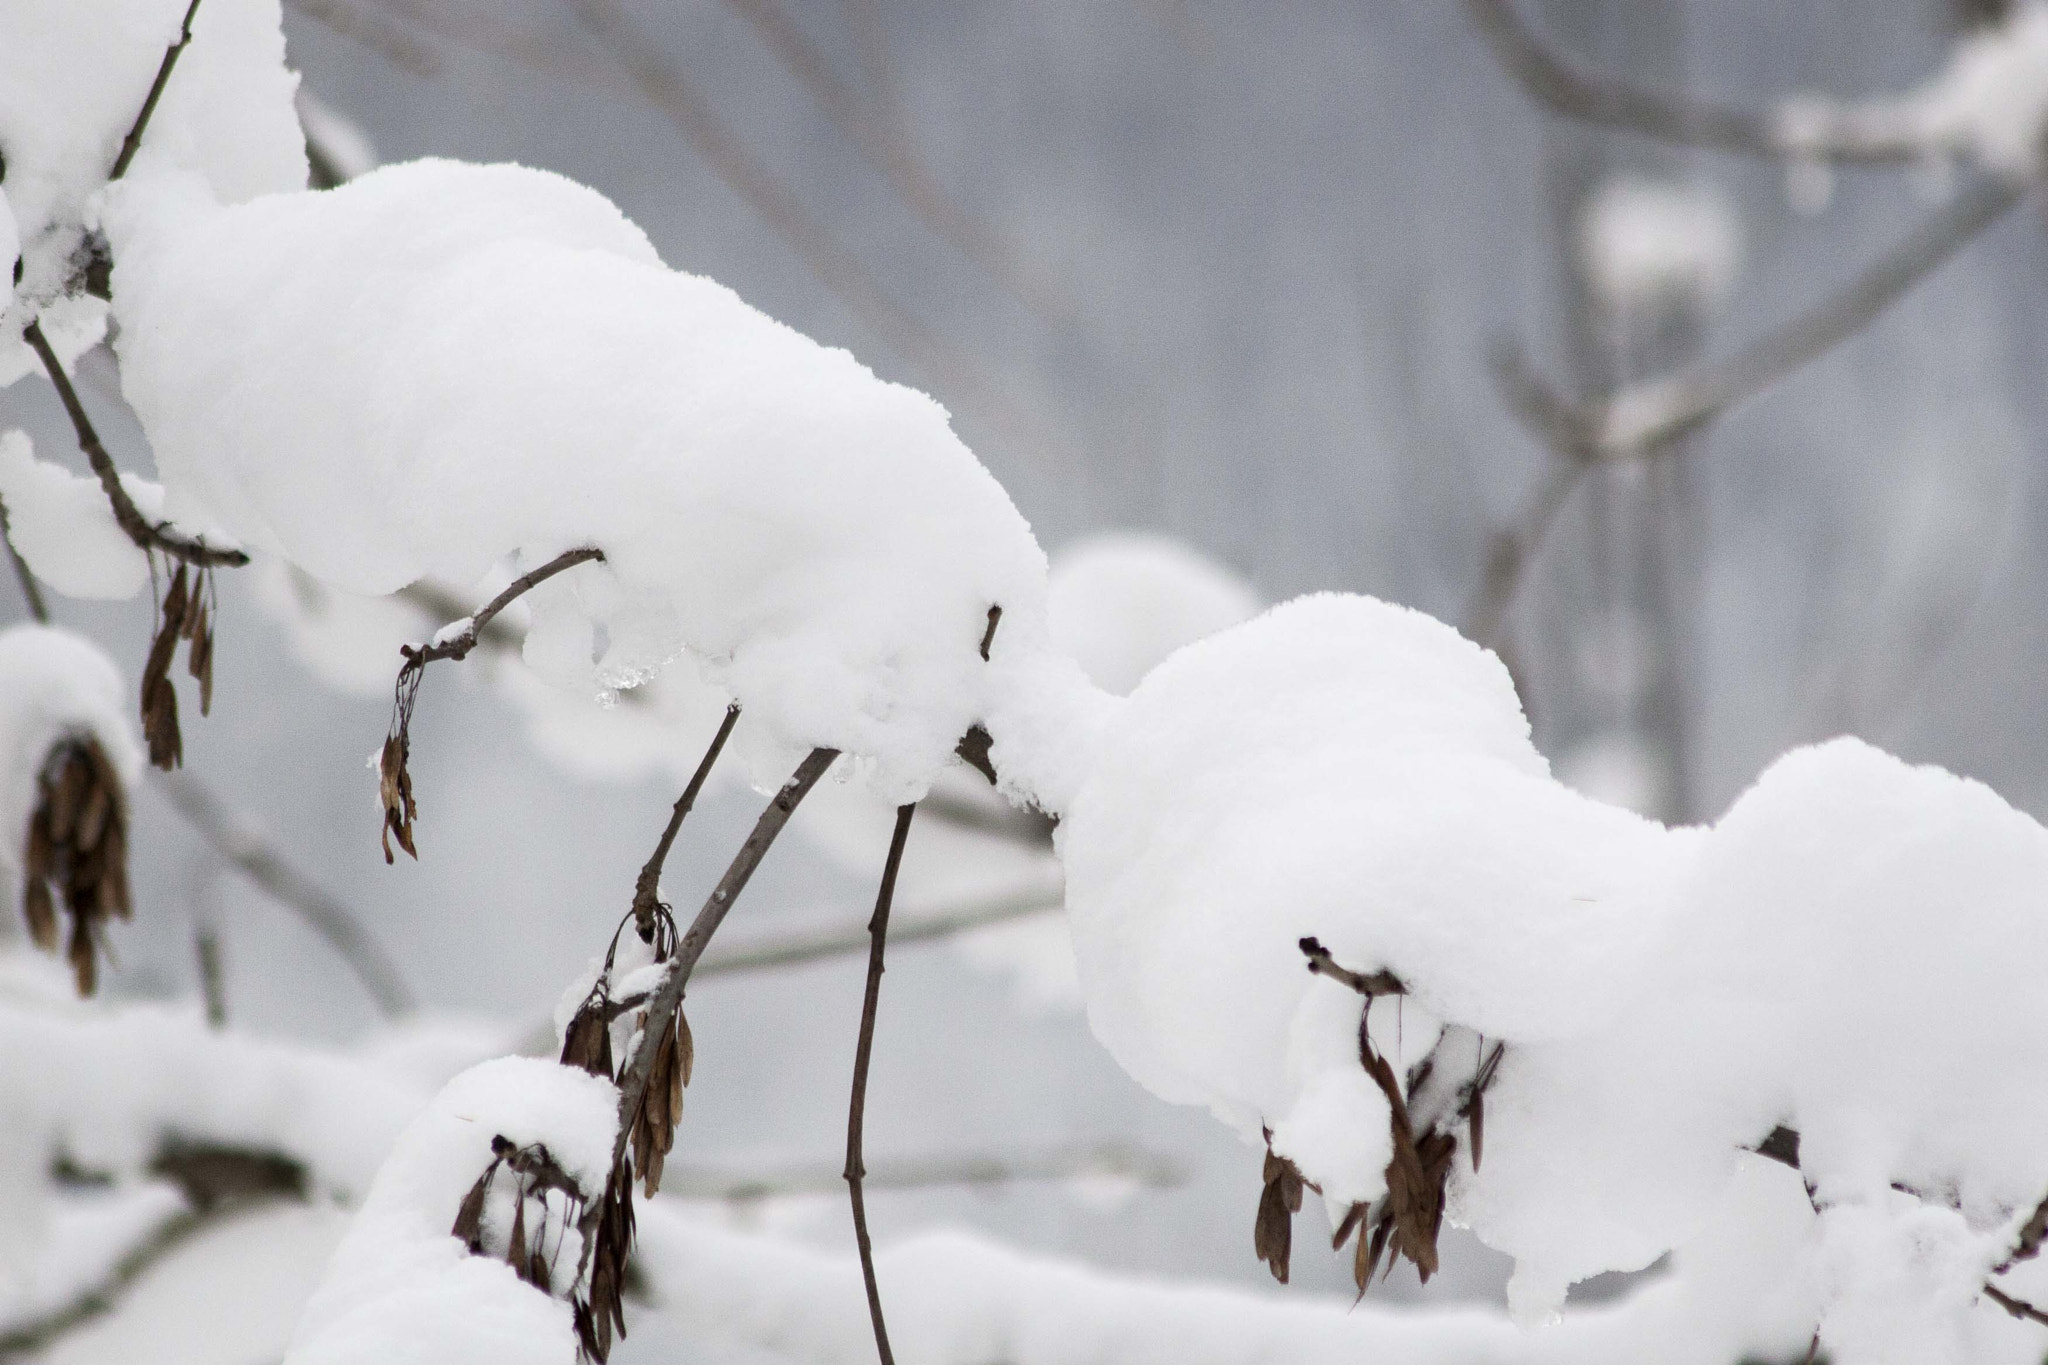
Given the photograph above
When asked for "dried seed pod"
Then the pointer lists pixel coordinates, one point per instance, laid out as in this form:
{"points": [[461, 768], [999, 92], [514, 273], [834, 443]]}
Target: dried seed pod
{"points": [[1279, 1201], [395, 790], [587, 1042], [469, 1218], [75, 853], [199, 658]]}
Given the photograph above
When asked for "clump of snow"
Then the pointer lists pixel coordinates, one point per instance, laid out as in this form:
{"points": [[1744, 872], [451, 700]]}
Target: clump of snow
{"points": [[72, 80], [63, 526], [1652, 248], [53, 684], [1122, 601], [438, 366], [1988, 104], [1849, 953], [402, 1287]]}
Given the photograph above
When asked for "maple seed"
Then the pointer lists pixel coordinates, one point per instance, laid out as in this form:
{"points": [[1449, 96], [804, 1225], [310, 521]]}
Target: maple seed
{"points": [[75, 854]]}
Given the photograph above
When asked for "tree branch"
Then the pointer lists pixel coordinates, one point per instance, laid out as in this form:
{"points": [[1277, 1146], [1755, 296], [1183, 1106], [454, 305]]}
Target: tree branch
{"points": [[1557, 85], [31, 591], [133, 142], [459, 645], [647, 890], [667, 996], [1105, 1160], [794, 949], [132, 522], [235, 839], [857, 1106]]}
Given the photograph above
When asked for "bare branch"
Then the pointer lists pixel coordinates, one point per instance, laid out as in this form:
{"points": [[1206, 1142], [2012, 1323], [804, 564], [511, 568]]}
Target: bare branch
{"points": [[647, 890], [1647, 415], [458, 645], [836, 940], [31, 591], [667, 997], [133, 142], [133, 523], [857, 1107], [1320, 963], [1512, 549], [1557, 85], [2019, 1308], [236, 840], [1113, 1161]]}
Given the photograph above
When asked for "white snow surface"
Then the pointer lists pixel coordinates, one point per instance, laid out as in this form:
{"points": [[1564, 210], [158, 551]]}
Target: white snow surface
{"points": [[72, 80], [1847, 952], [63, 527], [439, 367], [401, 1287], [1123, 600], [1988, 104], [53, 684]]}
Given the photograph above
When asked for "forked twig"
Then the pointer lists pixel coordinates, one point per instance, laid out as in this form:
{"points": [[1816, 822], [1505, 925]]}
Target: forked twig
{"points": [[856, 1110]]}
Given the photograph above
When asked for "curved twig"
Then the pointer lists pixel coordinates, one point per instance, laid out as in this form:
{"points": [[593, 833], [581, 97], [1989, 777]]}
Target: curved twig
{"points": [[857, 1108], [647, 890], [1559, 86], [31, 591], [458, 645], [137, 527]]}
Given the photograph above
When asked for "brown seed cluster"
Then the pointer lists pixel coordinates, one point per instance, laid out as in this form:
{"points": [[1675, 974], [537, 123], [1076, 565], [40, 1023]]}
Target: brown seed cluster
{"points": [[1406, 1220], [187, 613], [533, 1246], [587, 1044], [75, 854]]}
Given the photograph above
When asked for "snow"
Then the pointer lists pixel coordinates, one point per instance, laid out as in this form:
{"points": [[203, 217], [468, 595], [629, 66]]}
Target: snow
{"points": [[1651, 248], [1124, 600], [437, 367], [53, 684], [72, 79], [1848, 953], [1988, 104], [64, 528], [401, 1287]]}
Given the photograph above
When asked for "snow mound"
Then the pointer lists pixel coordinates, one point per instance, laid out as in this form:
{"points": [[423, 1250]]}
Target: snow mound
{"points": [[53, 684], [1849, 954], [440, 367], [402, 1287], [1124, 600]]}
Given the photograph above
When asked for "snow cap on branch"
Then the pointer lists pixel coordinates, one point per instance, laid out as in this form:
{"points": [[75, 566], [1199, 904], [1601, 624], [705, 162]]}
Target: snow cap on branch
{"points": [[73, 77], [438, 367]]}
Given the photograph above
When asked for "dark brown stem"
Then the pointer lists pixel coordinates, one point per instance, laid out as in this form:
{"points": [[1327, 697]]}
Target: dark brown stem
{"points": [[667, 996], [459, 645], [646, 891], [31, 591], [2019, 1308], [857, 1108], [1322, 964], [1560, 87], [132, 522], [133, 142]]}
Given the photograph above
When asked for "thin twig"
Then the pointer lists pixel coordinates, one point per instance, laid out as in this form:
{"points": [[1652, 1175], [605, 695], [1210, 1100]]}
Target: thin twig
{"points": [[137, 527], [133, 142], [31, 591], [1103, 1161], [1559, 86], [667, 996], [1646, 415], [235, 839], [857, 1107], [647, 890], [1367, 984], [2019, 1308], [1514, 546], [459, 645], [794, 949]]}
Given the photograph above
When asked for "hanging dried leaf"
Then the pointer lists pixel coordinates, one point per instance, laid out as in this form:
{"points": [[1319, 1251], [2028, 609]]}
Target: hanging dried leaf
{"points": [[199, 658], [159, 700], [515, 1250], [395, 790], [469, 1218], [686, 1051], [587, 1042], [1279, 1201]]}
